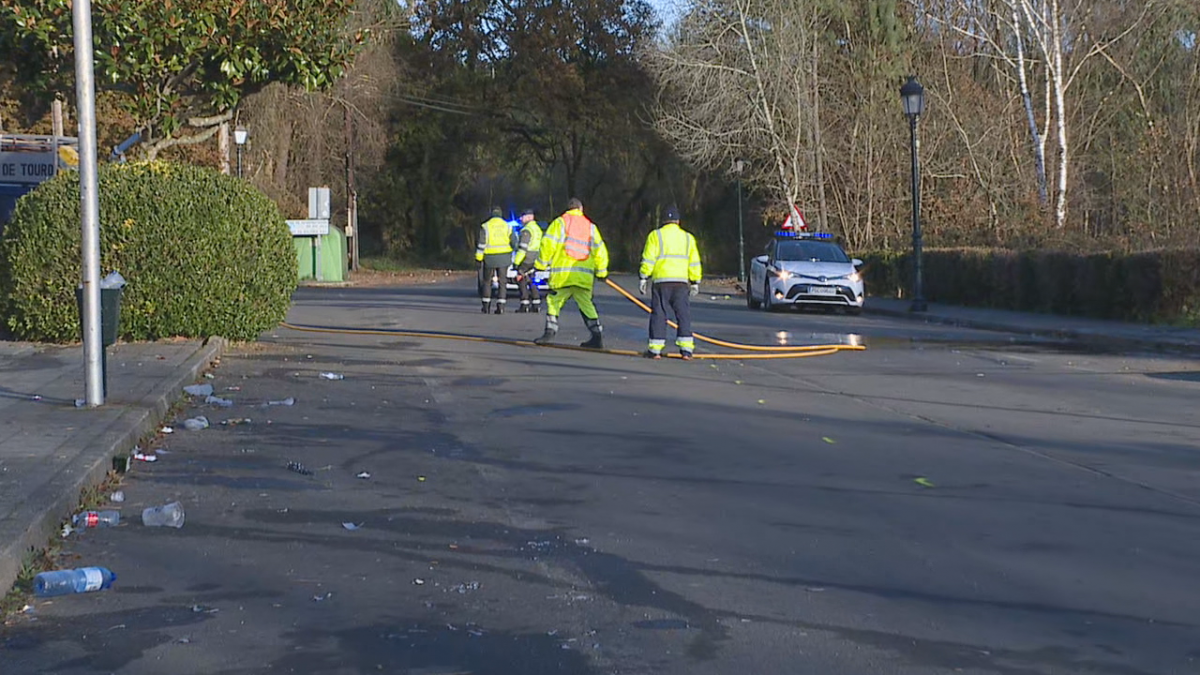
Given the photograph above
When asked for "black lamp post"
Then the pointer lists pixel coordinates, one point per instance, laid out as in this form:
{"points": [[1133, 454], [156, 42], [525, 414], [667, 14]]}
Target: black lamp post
{"points": [[240, 136], [738, 166], [912, 95]]}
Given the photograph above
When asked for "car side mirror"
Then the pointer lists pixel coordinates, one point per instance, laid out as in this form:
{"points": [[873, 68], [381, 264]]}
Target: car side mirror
{"points": [[856, 262]]}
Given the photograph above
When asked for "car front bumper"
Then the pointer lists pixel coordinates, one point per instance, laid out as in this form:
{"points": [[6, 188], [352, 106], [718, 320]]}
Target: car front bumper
{"points": [[799, 291]]}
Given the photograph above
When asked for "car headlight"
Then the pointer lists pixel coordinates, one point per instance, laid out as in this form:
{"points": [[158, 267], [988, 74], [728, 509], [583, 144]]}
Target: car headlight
{"points": [[854, 277], [783, 275]]}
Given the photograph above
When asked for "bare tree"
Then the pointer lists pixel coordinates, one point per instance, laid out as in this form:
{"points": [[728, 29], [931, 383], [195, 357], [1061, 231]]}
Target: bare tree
{"points": [[736, 82]]}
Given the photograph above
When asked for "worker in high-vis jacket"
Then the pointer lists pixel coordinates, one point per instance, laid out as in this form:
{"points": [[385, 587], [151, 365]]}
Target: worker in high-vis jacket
{"points": [[574, 253], [671, 268], [494, 254], [528, 245]]}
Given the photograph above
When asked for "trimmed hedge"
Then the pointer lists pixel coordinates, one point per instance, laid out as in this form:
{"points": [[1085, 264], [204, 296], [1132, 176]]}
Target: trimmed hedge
{"points": [[1157, 286], [204, 254]]}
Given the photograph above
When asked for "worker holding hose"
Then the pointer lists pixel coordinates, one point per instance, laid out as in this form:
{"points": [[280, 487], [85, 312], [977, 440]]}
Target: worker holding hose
{"points": [[575, 255], [671, 266]]}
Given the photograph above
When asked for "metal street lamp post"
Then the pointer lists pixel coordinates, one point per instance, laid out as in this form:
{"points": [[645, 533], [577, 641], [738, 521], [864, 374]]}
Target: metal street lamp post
{"points": [[738, 166], [912, 95], [240, 136]]}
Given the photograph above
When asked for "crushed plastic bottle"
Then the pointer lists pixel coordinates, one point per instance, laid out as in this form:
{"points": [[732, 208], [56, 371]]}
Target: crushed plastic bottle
{"points": [[289, 401], [66, 582], [168, 515], [196, 423], [97, 519], [332, 376], [198, 390], [113, 280], [218, 401]]}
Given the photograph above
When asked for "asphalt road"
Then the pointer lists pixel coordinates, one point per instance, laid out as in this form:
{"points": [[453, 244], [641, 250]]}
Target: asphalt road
{"points": [[948, 501]]}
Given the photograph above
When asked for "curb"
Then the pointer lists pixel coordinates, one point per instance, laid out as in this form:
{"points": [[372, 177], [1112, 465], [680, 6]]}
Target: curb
{"points": [[60, 495], [1096, 340]]}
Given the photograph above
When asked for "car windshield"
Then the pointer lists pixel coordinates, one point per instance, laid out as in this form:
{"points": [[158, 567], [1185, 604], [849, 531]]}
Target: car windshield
{"points": [[812, 251]]}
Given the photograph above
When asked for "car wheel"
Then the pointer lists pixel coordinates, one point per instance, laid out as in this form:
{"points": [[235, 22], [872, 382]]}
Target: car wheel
{"points": [[750, 301], [766, 301]]}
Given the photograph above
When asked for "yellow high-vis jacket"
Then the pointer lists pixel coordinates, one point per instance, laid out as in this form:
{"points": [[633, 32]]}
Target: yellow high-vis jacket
{"points": [[495, 238], [671, 254], [531, 240], [560, 254]]}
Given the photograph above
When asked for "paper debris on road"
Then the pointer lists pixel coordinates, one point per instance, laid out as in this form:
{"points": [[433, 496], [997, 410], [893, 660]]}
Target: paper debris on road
{"points": [[363, 475], [352, 527], [196, 423], [923, 482], [166, 430]]}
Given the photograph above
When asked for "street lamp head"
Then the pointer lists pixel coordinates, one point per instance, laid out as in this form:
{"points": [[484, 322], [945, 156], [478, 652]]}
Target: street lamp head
{"points": [[739, 165], [912, 95], [240, 135]]}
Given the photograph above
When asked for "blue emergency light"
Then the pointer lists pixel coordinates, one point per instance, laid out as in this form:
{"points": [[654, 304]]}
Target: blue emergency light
{"points": [[789, 234]]}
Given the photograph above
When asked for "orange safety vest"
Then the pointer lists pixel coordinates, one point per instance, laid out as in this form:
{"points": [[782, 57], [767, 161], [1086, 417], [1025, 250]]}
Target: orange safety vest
{"points": [[578, 233]]}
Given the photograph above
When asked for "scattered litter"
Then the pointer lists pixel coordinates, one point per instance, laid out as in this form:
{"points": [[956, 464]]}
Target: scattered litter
{"points": [[814, 589], [166, 430], [712, 297], [236, 421], [184, 641], [79, 402], [168, 515], [475, 632], [299, 468], [233, 388], [418, 582], [204, 610], [761, 402], [363, 475], [67, 530], [582, 542], [27, 609], [923, 482], [321, 598], [209, 376], [352, 527], [332, 376], [144, 457], [198, 390], [218, 401], [828, 440], [284, 402], [979, 375], [728, 297], [421, 479], [462, 589], [737, 381], [117, 496], [195, 423]]}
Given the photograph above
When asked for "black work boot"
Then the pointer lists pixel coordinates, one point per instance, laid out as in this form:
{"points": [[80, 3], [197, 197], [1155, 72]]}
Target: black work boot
{"points": [[597, 341], [485, 308], [547, 337], [499, 308]]}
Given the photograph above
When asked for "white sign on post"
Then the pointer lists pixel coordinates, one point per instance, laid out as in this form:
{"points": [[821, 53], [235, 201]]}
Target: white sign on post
{"points": [[318, 202], [310, 227], [27, 167]]}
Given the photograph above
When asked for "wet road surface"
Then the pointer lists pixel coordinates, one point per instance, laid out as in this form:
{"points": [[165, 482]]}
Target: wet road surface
{"points": [[948, 501]]}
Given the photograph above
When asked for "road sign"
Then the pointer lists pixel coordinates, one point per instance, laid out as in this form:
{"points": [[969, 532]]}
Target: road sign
{"points": [[309, 227]]}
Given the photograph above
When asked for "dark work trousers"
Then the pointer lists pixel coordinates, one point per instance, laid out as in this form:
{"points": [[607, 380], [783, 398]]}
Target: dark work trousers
{"points": [[495, 265], [529, 290], [673, 294]]}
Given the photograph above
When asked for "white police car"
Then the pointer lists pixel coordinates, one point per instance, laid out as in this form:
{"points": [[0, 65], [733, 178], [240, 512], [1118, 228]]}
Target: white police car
{"points": [[805, 269]]}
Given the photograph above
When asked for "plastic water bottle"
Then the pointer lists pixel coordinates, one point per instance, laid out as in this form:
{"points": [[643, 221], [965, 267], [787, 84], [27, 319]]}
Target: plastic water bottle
{"points": [[97, 519], [66, 582], [170, 515]]}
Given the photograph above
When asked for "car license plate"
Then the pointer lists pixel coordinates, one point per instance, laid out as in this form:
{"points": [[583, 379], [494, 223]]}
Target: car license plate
{"points": [[822, 290]]}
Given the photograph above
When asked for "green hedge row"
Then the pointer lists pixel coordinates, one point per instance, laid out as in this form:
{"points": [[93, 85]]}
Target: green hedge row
{"points": [[204, 254], [1158, 286]]}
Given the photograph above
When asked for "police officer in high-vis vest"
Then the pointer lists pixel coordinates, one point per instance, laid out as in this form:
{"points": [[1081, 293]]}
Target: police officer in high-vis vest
{"points": [[671, 266], [528, 245], [574, 253], [494, 255]]}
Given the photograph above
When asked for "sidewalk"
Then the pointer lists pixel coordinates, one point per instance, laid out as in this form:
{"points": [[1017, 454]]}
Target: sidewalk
{"points": [[1116, 335], [50, 450]]}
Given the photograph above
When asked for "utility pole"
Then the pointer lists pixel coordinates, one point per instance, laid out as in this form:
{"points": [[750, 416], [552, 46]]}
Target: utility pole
{"points": [[89, 202], [351, 191]]}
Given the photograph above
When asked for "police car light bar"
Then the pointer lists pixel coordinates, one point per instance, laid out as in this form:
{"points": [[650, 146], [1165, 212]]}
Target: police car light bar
{"points": [[789, 234]]}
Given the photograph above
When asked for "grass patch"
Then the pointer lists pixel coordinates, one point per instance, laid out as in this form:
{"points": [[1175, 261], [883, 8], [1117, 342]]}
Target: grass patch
{"points": [[36, 562], [380, 263]]}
